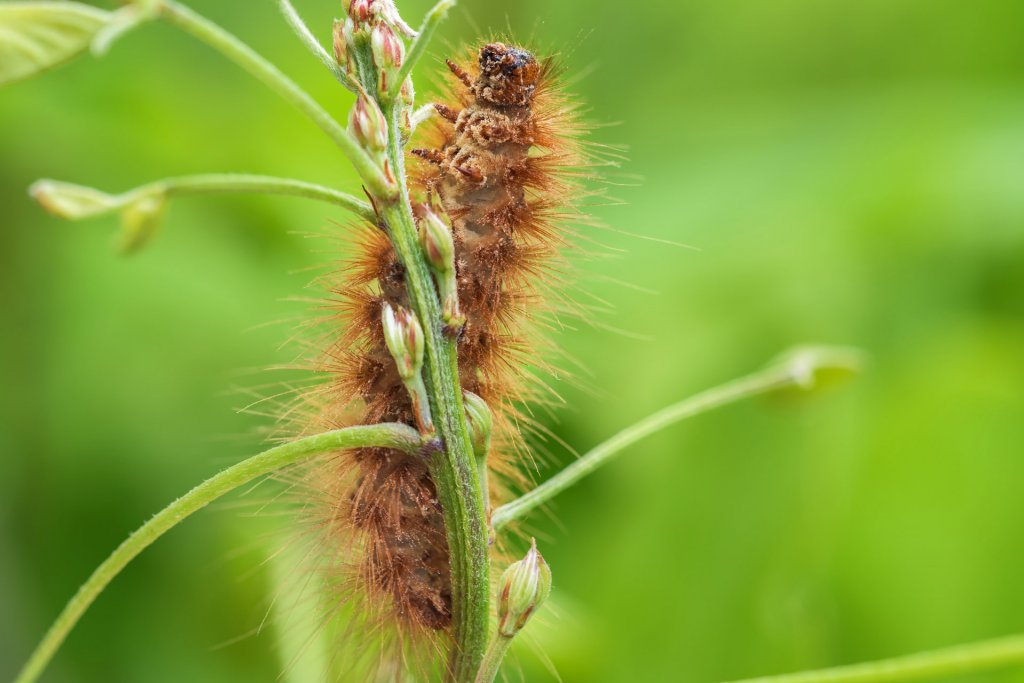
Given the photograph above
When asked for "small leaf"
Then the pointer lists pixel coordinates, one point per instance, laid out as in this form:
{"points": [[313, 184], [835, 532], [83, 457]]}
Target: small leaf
{"points": [[73, 202], [817, 368], [140, 220], [35, 36], [141, 211]]}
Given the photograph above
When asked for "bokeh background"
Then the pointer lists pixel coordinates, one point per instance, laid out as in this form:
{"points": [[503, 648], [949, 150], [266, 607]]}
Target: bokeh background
{"points": [[850, 173]]}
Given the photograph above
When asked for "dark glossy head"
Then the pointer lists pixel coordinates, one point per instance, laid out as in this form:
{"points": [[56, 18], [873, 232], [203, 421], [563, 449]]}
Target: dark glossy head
{"points": [[508, 75]]}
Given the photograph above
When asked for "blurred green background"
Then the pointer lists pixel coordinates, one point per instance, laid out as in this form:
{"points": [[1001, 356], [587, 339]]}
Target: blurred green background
{"points": [[850, 172]]}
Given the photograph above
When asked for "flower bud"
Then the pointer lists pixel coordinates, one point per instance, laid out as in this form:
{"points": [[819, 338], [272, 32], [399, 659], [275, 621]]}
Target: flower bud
{"points": [[439, 250], [481, 423], [388, 50], [408, 93], [361, 10], [390, 14], [367, 124], [436, 238], [404, 338], [525, 586], [340, 44]]}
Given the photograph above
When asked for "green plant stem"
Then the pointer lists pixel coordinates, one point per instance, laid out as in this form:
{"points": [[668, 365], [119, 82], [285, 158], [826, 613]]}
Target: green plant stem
{"points": [[492, 660], [230, 183], [397, 436], [314, 46], [419, 46], [454, 469], [243, 55], [961, 659], [799, 371]]}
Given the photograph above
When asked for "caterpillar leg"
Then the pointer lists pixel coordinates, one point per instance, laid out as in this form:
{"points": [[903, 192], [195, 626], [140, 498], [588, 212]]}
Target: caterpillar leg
{"points": [[460, 73], [446, 112], [434, 156]]}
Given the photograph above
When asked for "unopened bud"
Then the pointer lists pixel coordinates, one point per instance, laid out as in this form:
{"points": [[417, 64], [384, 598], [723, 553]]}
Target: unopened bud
{"points": [[390, 14], [525, 586], [439, 250], [481, 423], [361, 10], [436, 238], [340, 44], [368, 125], [388, 50], [408, 93], [404, 338]]}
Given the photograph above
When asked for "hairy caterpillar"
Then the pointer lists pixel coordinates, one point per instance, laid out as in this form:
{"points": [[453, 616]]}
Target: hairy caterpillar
{"points": [[502, 159]]}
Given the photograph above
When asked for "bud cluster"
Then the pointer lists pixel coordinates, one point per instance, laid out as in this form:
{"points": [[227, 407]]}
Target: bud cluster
{"points": [[404, 338], [376, 24], [439, 248]]}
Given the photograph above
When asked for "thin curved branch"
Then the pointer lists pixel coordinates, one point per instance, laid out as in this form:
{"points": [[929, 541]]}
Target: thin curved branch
{"points": [[800, 369], [953, 661], [231, 183], [398, 436]]}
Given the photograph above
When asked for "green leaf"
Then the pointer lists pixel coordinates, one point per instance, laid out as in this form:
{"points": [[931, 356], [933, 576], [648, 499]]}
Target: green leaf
{"points": [[35, 36], [139, 222], [73, 202]]}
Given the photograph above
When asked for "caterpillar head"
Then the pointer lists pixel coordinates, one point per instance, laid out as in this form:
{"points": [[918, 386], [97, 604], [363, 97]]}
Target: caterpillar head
{"points": [[508, 75]]}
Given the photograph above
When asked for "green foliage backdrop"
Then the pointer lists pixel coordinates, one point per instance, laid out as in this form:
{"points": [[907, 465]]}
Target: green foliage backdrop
{"points": [[851, 173]]}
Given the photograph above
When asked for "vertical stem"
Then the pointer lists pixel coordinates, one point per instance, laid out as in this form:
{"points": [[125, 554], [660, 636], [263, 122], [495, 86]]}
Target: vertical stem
{"points": [[454, 469]]}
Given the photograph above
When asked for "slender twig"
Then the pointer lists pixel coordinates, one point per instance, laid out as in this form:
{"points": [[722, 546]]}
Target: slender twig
{"points": [[419, 44], [397, 436], [243, 55], [799, 370], [958, 660], [314, 46], [230, 183]]}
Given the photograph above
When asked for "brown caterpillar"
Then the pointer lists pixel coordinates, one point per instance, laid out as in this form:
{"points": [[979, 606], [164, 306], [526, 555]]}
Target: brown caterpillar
{"points": [[502, 161]]}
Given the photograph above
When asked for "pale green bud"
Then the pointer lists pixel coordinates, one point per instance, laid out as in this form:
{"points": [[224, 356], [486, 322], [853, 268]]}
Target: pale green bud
{"points": [[436, 239], [481, 423], [404, 338], [388, 50], [341, 44], [389, 13], [439, 250], [525, 586], [367, 123]]}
